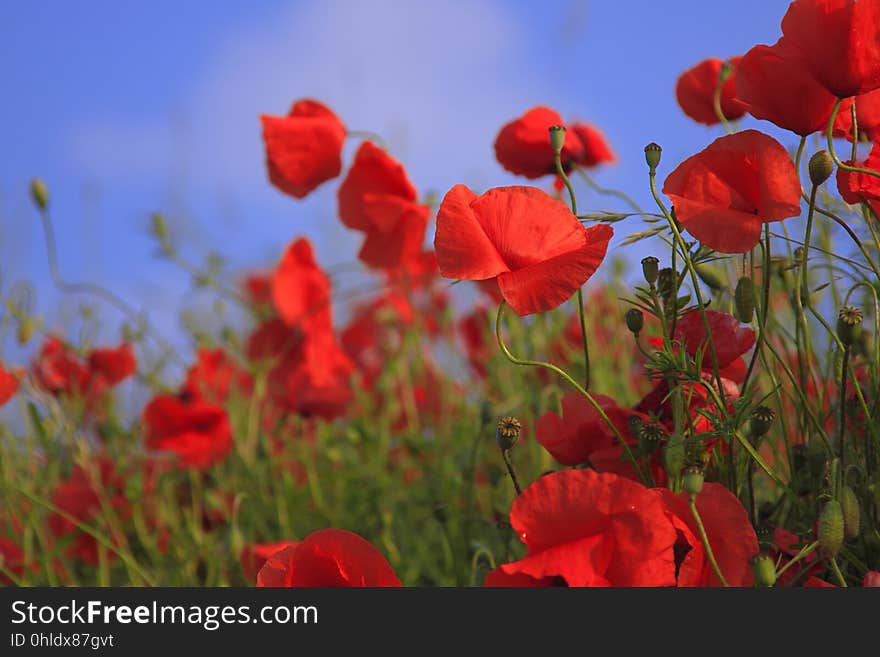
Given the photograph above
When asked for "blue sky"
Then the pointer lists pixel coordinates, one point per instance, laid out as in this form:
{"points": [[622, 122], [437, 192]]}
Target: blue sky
{"points": [[130, 108]]}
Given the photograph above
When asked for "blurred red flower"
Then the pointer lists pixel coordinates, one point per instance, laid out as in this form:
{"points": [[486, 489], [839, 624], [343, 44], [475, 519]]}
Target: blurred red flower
{"points": [[214, 375], [378, 199], [59, 371], [591, 529], [8, 385], [730, 339], [300, 288], [328, 558], [112, 366], [840, 41], [695, 92], [725, 194], [523, 145], [304, 148], [774, 84], [196, 430], [535, 247]]}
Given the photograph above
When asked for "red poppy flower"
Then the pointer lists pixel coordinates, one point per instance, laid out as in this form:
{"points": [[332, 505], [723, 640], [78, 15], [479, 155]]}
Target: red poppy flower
{"points": [[725, 194], [867, 117], [58, 370], [214, 375], [254, 557], [12, 559], [378, 199], [731, 537], [197, 431], [328, 558], [535, 247], [695, 92], [85, 495], [523, 145], [592, 529], [112, 366], [840, 40], [730, 339], [8, 385], [857, 188], [773, 83], [300, 289], [785, 546], [304, 148], [258, 289], [872, 579]]}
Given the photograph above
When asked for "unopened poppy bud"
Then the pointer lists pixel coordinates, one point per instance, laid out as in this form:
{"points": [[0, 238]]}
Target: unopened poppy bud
{"points": [[831, 528], [635, 321], [821, 167], [711, 277], [158, 226], [507, 432], [650, 268], [666, 283], [849, 503], [763, 569], [761, 421], [849, 325], [25, 330], [673, 458], [652, 155], [557, 138], [692, 480], [744, 299], [39, 193]]}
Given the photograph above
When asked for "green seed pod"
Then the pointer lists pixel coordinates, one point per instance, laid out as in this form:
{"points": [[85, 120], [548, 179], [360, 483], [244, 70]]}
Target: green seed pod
{"points": [[507, 432], [760, 421], [849, 503], [652, 155], [635, 321], [692, 480], [744, 298], [39, 193], [821, 167], [666, 283], [673, 458], [711, 276], [849, 325], [650, 268], [650, 436], [831, 528], [557, 138], [763, 569]]}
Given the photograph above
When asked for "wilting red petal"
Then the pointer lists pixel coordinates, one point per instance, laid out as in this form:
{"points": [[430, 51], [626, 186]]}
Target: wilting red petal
{"points": [[724, 194], [774, 84], [300, 289], [303, 149], [329, 558], [541, 251], [731, 340], [523, 145], [840, 40], [695, 92]]}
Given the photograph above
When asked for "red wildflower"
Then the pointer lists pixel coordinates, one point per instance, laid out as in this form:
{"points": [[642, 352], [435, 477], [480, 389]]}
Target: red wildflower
{"points": [[535, 247], [328, 558], [378, 199], [857, 188], [729, 338], [11, 559], [197, 431], [787, 545], [695, 92], [254, 557], [58, 370], [300, 289], [8, 385], [112, 366], [592, 529], [872, 579], [726, 193], [731, 536], [840, 41], [258, 289], [304, 148], [214, 375], [523, 145], [773, 84], [867, 117]]}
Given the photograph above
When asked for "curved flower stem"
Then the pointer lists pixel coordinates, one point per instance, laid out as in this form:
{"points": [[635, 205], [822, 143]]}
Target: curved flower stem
{"points": [[716, 105], [841, 165], [805, 552], [692, 503], [836, 569], [565, 375], [580, 293]]}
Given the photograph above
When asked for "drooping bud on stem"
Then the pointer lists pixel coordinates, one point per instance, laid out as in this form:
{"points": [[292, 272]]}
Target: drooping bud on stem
{"points": [[831, 528], [652, 156], [650, 268], [849, 325], [557, 138], [744, 299], [635, 321], [849, 504], [39, 194], [507, 432], [821, 167]]}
